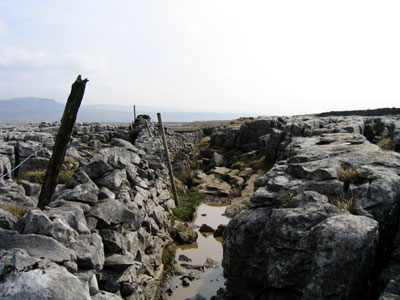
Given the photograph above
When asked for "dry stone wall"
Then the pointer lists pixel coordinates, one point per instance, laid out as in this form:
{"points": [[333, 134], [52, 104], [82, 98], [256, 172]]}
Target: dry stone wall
{"points": [[103, 235]]}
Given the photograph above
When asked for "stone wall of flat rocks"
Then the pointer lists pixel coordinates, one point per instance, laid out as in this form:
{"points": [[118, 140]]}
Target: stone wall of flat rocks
{"points": [[103, 235]]}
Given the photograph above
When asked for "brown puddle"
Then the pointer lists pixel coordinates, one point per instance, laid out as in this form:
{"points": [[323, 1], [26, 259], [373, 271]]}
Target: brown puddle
{"points": [[206, 283]]}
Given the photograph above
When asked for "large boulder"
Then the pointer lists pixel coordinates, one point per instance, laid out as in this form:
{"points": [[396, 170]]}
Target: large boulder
{"points": [[89, 251], [184, 233], [306, 247], [37, 279], [7, 220], [112, 212], [35, 221], [112, 180], [5, 167], [318, 223], [36, 245], [85, 192]]}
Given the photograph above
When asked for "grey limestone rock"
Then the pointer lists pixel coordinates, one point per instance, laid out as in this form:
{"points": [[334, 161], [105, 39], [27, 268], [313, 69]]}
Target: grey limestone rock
{"points": [[7, 220], [89, 251], [110, 211], [25, 149], [305, 247], [48, 281], [293, 242], [85, 192], [124, 144], [14, 194], [36, 245], [5, 167], [34, 163], [103, 295], [31, 189], [72, 214], [105, 193], [112, 180], [35, 221], [217, 160], [184, 233], [114, 241], [79, 177], [119, 262]]}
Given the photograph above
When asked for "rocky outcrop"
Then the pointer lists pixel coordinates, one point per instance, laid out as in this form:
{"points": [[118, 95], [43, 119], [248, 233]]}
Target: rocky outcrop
{"points": [[321, 222], [103, 235]]}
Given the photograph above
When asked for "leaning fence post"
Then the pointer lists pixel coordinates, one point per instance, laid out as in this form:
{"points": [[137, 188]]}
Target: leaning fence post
{"points": [[61, 142], [148, 128], [171, 173]]}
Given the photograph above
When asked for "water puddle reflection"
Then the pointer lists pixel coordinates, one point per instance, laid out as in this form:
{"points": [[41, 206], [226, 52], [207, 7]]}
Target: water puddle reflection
{"points": [[209, 281]]}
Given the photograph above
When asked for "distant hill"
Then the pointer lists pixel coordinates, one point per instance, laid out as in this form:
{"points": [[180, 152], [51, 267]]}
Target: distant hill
{"points": [[34, 110], [29, 109]]}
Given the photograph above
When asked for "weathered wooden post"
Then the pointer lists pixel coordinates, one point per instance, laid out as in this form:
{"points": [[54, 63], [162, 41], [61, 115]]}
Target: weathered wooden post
{"points": [[61, 142], [171, 173], [134, 113], [148, 128]]}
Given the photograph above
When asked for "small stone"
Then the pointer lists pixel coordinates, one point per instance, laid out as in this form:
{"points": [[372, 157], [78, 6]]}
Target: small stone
{"points": [[183, 257], [220, 230], [185, 282], [206, 228], [210, 263]]}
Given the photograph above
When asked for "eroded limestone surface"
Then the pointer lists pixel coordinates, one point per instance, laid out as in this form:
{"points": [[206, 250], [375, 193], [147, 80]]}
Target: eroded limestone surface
{"points": [[321, 222]]}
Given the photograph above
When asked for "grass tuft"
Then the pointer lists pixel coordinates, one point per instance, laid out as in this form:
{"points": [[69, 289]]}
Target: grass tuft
{"points": [[386, 144], [16, 210], [37, 176], [347, 174], [343, 203], [188, 203], [168, 255]]}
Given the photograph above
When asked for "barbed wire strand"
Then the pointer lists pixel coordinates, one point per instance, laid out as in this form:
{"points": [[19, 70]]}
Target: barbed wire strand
{"points": [[22, 162]]}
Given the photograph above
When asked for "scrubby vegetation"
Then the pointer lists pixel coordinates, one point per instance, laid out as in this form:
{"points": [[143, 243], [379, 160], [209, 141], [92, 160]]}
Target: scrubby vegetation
{"points": [[37, 176], [343, 203], [386, 143], [168, 255], [347, 174], [16, 210], [188, 203]]}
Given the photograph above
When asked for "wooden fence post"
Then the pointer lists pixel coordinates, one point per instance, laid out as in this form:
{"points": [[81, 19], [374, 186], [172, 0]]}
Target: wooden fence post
{"points": [[61, 142], [134, 113], [148, 128], [171, 173]]}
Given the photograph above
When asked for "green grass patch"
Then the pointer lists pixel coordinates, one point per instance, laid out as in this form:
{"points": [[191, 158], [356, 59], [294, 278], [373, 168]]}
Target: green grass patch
{"points": [[168, 255], [223, 178], [188, 203], [238, 166]]}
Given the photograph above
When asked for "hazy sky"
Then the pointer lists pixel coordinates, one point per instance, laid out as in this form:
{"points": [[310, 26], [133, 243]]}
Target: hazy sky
{"points": [[264, 57]]}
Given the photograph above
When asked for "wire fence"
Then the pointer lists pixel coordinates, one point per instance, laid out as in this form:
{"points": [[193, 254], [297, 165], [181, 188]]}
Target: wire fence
{"points": [[22, 162]]}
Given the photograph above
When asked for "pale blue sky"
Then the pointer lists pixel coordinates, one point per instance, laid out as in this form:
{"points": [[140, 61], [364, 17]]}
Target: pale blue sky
{"points": [[262, 57]]}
